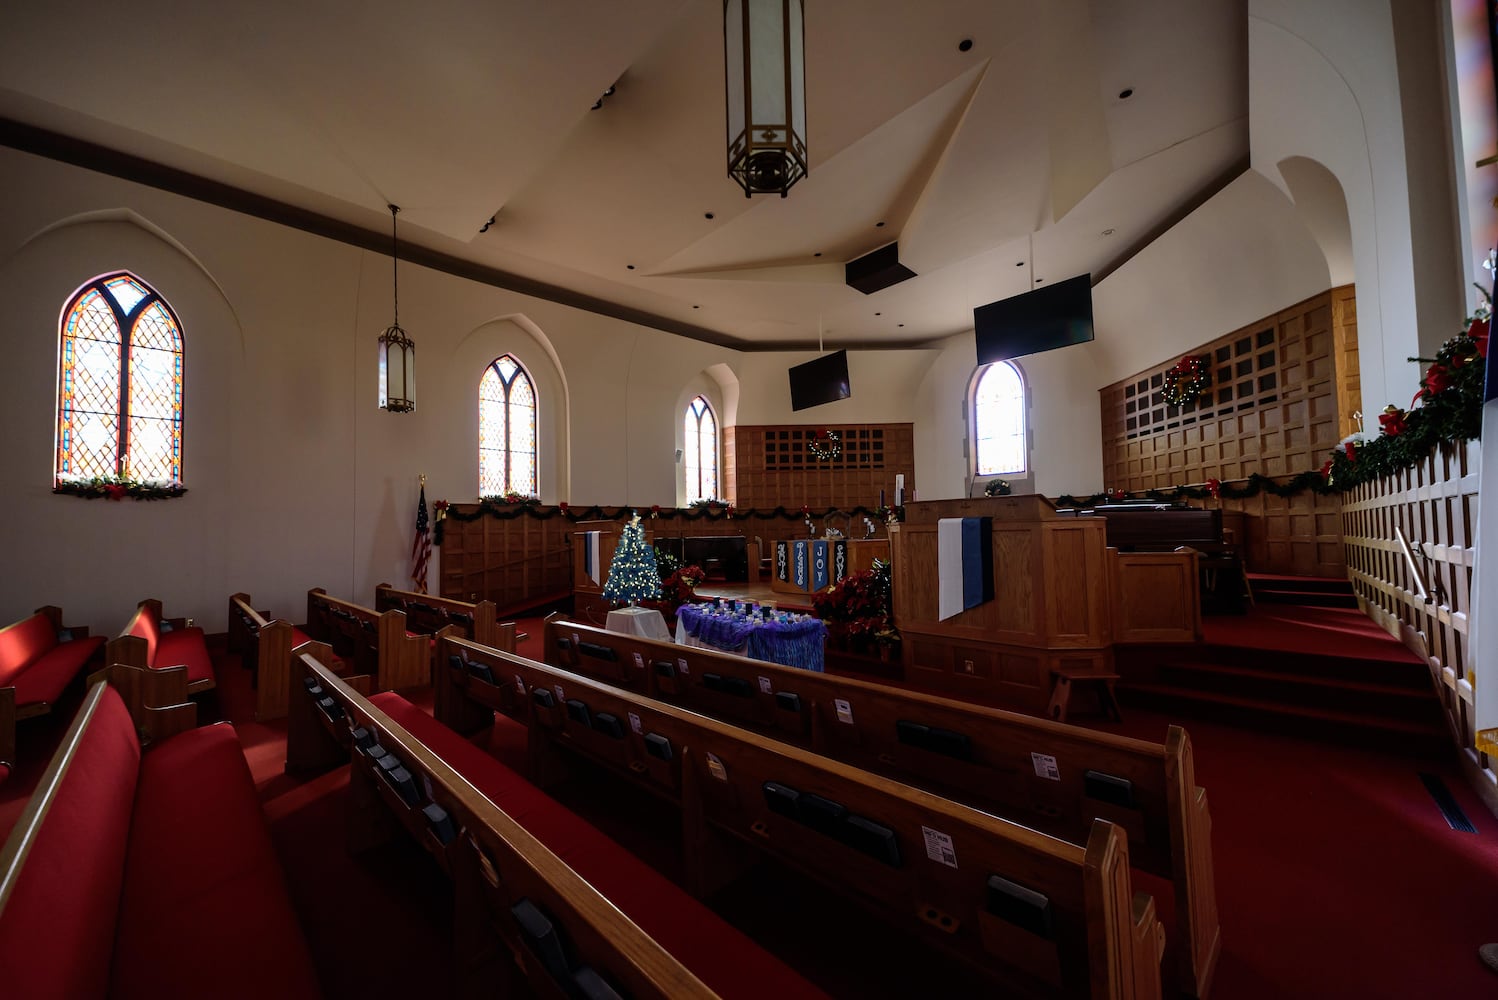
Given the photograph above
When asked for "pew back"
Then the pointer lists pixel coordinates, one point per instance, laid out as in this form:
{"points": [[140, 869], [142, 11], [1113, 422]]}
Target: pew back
{"points": [[264, 645], [1055, 778], [488, 852], [374, 643], [1045, 916], [428, 613]]}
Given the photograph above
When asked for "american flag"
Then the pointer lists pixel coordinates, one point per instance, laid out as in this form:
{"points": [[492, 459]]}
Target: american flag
{"points": [[421, 546]]}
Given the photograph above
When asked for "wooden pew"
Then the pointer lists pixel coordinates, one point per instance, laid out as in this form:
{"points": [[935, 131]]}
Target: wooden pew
{"points": [[157, 700], [152, 641], [500, 870], [372, 642], [429, 613], [264, 645], [1051, 777], [1040, 915]]}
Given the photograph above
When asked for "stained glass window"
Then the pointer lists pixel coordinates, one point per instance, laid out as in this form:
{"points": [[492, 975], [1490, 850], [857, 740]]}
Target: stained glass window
{"points": [[507, 429], [999, 420], [119, 394], [700, 456]]}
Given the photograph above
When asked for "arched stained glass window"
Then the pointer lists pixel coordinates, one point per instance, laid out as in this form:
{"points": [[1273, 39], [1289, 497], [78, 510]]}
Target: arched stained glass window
{"points": [[119, 395], [507, 429], [999, 420], [700, 456]]}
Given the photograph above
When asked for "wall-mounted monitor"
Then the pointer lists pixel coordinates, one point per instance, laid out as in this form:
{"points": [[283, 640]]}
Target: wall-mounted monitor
{"points": [[1047, 318], [824, 380]]}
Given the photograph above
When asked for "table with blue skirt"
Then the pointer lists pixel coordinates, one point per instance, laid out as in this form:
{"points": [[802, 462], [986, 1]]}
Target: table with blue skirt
{"points": [[788, 639]]}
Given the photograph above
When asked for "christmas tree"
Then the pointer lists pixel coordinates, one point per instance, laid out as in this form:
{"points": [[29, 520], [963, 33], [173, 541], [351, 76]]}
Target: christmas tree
{"points": [[632, 575]]}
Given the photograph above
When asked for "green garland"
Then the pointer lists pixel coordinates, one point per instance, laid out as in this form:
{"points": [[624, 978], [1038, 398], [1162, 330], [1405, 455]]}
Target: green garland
{"points": [[508, 512], [118, 488]]}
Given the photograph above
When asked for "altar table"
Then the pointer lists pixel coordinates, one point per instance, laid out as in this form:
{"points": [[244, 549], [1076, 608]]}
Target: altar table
{"points": [[790, 640]]}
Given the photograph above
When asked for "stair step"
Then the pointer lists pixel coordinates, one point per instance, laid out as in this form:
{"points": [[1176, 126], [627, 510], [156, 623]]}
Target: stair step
{"points": [[1397, 691], [1394, 673], [1318, 584], [1306, 598], [1262, 706]]}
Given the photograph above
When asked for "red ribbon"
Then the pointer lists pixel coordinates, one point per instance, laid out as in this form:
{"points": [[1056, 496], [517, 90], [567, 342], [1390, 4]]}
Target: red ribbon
{"points": [[1214, 487]]}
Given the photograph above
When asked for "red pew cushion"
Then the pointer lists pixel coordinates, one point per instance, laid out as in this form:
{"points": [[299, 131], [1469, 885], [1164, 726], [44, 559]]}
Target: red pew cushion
{"points": [[55, 929], [50, 673], [718, 954], [184, 646], [202, 881], [22, 643], [298, 637]]}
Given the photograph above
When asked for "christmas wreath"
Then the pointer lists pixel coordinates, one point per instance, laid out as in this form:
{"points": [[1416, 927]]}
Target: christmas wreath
{"points": [[1186, 380], [824, 445]]}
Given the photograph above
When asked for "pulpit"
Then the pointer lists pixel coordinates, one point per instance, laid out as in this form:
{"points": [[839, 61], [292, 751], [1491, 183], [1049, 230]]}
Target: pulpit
{"points": [[1045, 596]]}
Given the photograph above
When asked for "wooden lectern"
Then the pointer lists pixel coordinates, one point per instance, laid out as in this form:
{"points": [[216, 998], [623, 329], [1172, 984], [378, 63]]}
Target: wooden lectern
{"points": [[1058, 607]]}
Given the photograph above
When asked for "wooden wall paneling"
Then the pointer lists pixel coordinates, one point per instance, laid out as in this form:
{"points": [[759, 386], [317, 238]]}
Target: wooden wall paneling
{"points": [[772, 466], [1273, 408]]}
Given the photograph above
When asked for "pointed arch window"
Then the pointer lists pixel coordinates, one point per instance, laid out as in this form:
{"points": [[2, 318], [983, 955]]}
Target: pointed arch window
{"points": [[120, 376], [999, 421], [700, 456], [507, 429]]}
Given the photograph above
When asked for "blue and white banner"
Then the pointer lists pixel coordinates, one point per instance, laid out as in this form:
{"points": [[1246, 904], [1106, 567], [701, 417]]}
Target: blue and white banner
{"points": [[964, 564], [839, 559], [819, 579], [803, 576], [783, 561], [591, 563]]}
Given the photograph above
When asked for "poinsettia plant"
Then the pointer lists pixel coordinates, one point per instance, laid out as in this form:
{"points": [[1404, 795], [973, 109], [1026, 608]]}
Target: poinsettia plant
{"points": [[858, 612]]}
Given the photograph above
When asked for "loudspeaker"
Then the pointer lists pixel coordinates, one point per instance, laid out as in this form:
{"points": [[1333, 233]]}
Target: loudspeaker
{"points": [[877, 270]]}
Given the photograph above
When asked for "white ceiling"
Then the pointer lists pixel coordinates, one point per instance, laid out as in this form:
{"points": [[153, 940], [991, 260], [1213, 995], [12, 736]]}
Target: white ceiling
{"points": [[459, 111]]}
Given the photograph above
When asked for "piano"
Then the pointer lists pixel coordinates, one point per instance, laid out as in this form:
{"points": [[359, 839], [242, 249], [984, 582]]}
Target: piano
{"points": [[1158, 527]]}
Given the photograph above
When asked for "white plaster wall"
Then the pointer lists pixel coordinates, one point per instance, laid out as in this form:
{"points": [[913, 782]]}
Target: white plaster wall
{"points": [[1324, 83]]}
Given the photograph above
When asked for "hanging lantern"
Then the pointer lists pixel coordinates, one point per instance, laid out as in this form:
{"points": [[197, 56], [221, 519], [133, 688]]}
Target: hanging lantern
{"points": [[764, 55], [397, 350]]}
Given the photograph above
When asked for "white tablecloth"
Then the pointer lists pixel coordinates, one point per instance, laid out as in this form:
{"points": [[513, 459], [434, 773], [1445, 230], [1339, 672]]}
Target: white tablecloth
{"points": [[645, 622]]}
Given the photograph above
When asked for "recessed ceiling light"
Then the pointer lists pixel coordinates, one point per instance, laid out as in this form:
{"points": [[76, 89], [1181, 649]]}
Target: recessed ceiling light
{"points": [[817, 254], [901, 324], [1039, 280], [707, 215], [964, 45], [1019, 263], [879, 314], [630, 266], [1109, 232], [878, 225], [696, 307], [1126, 93]]}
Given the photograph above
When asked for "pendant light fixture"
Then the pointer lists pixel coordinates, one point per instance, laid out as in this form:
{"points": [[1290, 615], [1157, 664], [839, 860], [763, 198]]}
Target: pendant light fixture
{"points": [[397, 351], [764, 57]]}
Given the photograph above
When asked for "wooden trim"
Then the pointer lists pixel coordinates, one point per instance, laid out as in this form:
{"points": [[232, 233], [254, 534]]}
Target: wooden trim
{"points": [[28, 827]]}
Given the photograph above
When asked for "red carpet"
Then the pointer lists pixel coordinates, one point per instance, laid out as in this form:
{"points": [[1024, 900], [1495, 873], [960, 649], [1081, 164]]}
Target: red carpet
{"points": [[1295, 629]]}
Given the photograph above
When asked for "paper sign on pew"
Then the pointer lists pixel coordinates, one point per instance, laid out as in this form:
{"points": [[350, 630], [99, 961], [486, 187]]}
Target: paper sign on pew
{"points": [[634, 724], [639, 662], [1046, 766], [844, 711], [681, 664], [939, 846]]}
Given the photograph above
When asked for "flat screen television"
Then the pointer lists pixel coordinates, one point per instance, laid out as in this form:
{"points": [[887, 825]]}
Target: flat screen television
{"points": [[1047, 318], [824, 380]]}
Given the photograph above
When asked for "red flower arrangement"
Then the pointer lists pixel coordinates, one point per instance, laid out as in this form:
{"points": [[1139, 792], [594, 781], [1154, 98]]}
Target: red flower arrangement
{"points": [[857, 611]]}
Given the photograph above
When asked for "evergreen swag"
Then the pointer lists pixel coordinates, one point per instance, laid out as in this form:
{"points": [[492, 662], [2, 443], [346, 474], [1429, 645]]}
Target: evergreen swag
{"points": [[119, 488]]}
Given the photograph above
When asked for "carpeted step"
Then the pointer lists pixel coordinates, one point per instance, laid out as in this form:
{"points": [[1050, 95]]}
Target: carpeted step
{"points": [[1307, 584], [1307, 690], [1411, 676], [1304, 598], [1414, 735]]}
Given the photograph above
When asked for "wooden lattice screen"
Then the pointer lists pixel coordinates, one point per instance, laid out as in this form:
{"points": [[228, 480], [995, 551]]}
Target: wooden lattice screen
{"points": [[1435, 506], [1272, 409]]}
